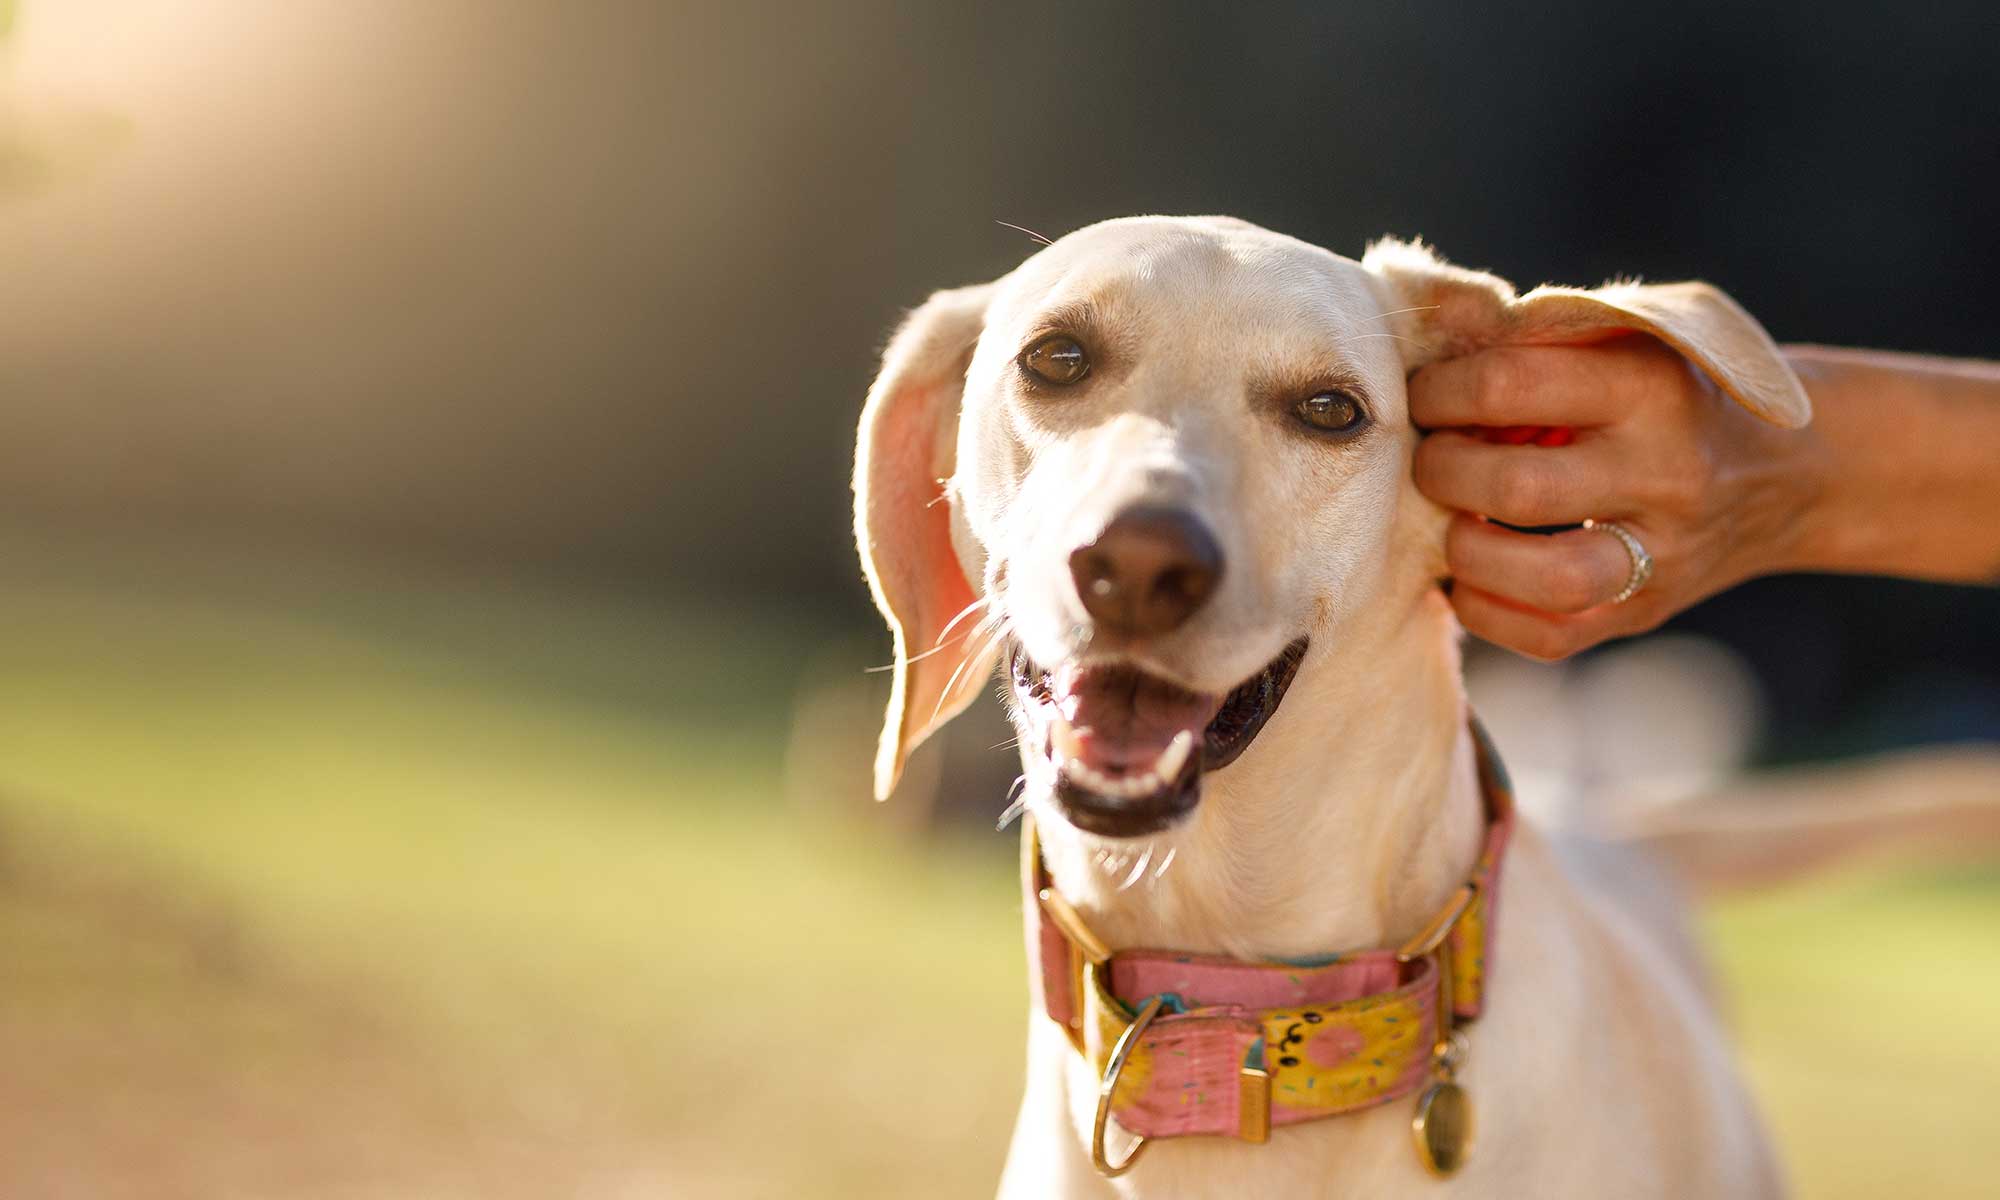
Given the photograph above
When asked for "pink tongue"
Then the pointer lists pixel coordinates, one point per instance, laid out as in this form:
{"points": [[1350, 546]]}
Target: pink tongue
{"points": [[1122, 719]]}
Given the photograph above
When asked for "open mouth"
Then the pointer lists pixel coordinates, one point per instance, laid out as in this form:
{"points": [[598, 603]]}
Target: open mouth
{"points": [[1127, 748]]}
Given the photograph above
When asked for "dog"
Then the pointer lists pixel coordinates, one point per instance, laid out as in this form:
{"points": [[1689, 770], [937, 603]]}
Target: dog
{"points": [[1160, 474]]}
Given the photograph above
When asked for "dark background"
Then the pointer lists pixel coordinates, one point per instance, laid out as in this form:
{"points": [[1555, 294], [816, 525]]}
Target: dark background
{"points": [[595, 289]]}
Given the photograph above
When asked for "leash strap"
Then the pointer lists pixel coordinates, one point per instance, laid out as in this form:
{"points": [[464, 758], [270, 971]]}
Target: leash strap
{"points": [[1249, 1045]]}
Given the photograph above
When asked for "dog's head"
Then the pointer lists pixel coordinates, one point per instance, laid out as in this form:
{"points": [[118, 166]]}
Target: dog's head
{"points": [[1164, 465]]}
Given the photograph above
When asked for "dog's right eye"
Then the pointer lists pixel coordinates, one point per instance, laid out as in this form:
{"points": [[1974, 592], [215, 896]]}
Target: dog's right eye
{"points": [[1058, 360], [1332, 412]]}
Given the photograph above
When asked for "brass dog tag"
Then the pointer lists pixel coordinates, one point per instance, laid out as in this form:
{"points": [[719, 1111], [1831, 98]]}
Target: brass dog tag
{"points": [[1443, 1127]]}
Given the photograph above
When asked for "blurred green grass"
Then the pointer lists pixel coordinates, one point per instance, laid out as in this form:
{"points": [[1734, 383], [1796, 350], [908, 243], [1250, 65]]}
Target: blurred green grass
{"points": [[322, 880], [1864, 1005]]}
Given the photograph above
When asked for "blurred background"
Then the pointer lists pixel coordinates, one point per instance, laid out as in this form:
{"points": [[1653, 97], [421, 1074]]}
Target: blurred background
{"points": [[433, 706]]}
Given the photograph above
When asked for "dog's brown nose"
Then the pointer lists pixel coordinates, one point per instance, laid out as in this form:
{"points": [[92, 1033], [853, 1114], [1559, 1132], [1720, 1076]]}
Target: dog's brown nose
{"points": [[1148, 572]]}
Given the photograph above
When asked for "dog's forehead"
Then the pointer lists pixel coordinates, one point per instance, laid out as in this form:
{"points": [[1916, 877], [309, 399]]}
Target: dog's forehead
{"points": [[1210, 270]]}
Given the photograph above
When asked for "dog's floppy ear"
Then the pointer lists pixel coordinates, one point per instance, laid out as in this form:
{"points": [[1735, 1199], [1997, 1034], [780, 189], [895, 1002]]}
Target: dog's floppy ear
{"points": [[1454, 311], [902, 522]]}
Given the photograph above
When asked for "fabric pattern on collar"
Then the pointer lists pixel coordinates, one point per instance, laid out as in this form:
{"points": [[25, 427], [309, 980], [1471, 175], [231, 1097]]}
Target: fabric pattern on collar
{"points": [[1353, 1032]]}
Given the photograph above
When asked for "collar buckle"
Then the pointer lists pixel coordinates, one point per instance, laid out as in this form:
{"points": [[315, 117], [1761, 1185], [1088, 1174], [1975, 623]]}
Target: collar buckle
{"points": [[1433, 935]]}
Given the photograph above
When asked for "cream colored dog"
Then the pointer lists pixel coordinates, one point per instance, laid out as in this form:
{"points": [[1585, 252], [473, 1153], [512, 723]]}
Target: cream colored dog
{"points": [[1162, 470]]}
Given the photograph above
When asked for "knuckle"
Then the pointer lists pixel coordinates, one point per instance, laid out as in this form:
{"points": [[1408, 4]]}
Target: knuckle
{"points": [[1647, 615], [1655, 368], [1502, 380], [1527, 488], [1547, 643], [1572, 583], [1684, 481]]}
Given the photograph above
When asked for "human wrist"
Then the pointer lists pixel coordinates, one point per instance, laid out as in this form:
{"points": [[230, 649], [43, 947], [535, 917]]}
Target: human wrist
{"points": [[1897, 462], [1846, 461]]}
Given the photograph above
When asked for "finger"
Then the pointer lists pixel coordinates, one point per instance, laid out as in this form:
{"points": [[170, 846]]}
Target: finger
{"points": [[1521, 485], [1539, 635], [1560, 573], [1520, 385]]}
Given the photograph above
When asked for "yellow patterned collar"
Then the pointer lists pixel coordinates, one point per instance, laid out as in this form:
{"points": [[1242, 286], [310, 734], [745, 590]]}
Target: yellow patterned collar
{"points": [[1188, 1044]]}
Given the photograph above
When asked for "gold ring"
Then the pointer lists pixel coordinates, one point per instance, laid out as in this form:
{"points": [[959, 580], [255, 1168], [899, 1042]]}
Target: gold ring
{"points": [[1112, 1067], [1642, 562]]}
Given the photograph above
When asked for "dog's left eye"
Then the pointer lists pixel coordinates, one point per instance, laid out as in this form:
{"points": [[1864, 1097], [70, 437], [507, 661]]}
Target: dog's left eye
{"points": [[1334, 412], [1059, 360]]}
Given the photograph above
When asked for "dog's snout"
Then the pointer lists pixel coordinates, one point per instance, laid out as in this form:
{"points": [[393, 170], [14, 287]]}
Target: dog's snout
{"points": [[1148, 572]]}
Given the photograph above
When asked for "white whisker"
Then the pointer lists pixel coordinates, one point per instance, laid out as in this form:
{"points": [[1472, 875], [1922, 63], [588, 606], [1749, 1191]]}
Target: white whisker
{"points": [[1396, 312], [1355, 337], [951, 684], [939, 646], [963, 613], [1017, 803], [914, 658], [979, 651], [1166, 862], [1145, 860]]}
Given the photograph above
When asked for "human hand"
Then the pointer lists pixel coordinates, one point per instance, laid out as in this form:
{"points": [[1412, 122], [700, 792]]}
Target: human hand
{"points": [[1624, 430]]}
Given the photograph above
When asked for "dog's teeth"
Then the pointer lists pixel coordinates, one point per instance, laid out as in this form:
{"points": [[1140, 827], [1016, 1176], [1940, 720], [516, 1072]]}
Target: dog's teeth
{"points": [[1175, 756], [1063, 740], [1089, 777], [1129, 787]]}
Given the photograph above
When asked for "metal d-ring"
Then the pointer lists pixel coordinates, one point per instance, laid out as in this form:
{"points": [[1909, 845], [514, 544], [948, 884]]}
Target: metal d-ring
{"points": [[1113, 1067]]}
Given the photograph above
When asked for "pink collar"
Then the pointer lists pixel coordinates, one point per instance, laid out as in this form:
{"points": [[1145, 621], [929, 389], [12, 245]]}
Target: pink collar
{"points": [[1200, 1044]]}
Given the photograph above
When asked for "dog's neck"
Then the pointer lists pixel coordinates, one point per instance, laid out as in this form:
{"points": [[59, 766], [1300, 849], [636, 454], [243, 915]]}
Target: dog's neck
{"points": [[1345, 827]]}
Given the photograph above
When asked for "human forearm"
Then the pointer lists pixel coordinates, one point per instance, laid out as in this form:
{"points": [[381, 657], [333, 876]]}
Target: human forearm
{"points": [[1904, 466]]}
